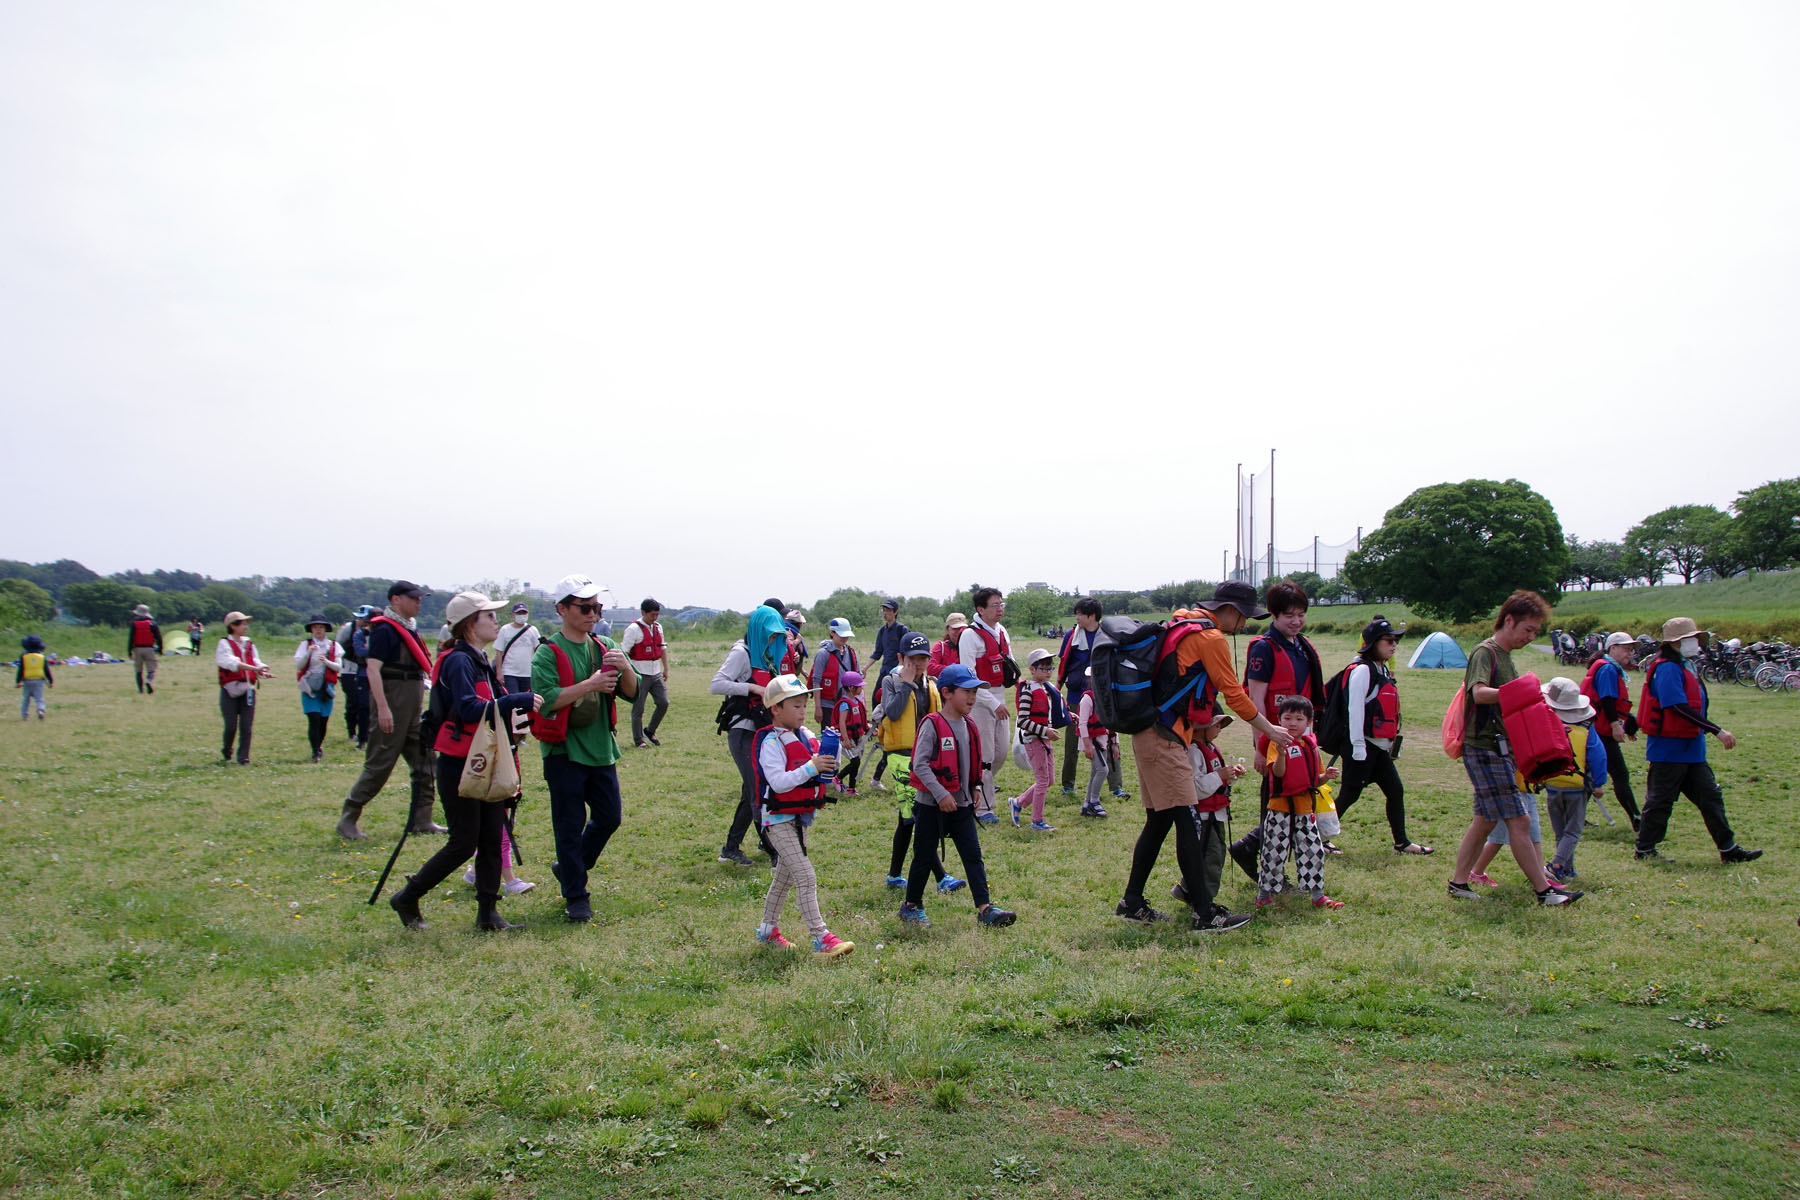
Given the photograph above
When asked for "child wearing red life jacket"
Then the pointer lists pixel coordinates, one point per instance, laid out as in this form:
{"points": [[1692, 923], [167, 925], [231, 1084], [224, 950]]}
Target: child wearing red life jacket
{"points": [[789, 792], [850, 717], [1040, 713], [1295, 774], [1213, 778]]}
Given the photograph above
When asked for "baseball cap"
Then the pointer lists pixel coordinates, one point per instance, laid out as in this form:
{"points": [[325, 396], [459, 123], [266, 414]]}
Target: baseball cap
{"points": [[1377, 629], [579, 587], [955, 621], [1037, 656], [1619, 639], [891, 605], [958, 676], [784, 687], [466, 604], [405, 587], [915, 643], [365, 611], [522, 607], [841, 627]]}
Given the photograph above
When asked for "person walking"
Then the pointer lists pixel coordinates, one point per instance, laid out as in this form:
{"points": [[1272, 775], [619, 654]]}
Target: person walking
{"points": [[33, 676], [649, 654], [835, 656], [1072, 677], [907, 697], [353, 646], [318, 665], [465, 685], [888, 642], [143, 645], [1607, 691], [514, 648], [742, 678], [195, 631], [1278, 664], [1674, 703], [985, 648], [397, 665], [1374, 726], [239, 671], [947, 651]]}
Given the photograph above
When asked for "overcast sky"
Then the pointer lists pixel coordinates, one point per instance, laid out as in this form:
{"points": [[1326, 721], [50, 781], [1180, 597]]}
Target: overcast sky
{"points": [[714, 301]]}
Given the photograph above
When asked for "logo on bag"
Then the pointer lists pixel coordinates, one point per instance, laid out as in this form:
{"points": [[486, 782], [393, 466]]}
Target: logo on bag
{"points": [[478, 763]]}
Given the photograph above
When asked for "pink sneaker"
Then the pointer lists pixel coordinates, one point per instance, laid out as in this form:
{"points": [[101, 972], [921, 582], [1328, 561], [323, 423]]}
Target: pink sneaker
{"points": [[830, 945], [1327, 902], [774, 938], [1483, 880]]}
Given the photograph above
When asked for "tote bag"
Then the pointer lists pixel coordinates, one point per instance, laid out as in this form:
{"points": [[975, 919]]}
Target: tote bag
{"points": [[490, 772]]}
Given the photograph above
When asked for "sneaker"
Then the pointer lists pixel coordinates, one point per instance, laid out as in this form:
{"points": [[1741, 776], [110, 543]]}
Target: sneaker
{"points": [[1327, 902], [879, 786], [579, 912], [1142, 914], [1483, 879], [912, 914], [640, 744], [987, 818], [731, 854], [1220, 922], [517, 887], [1042, 827], [996, 916], [1093, 810], [1179, 892], [951, 883], [830, 945], [318, 756], [469, 875], [151, 688], [1462, 891], [1016, 811], [1265, 900], [773, 938], [1738, 854], [851, 792], [1554, 896], [1650, 856], [1121, 794], [1561, 874], [1068, 789], [896, 881]]}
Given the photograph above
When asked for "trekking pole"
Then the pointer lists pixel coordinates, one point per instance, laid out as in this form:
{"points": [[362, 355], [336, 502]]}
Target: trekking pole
{"points": [[392, 859], [512, 837]]}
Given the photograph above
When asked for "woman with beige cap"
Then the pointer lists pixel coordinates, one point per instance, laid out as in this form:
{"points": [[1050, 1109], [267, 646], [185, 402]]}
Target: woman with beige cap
{"points": [[946, 652], [239, 671], [1672, 710]]}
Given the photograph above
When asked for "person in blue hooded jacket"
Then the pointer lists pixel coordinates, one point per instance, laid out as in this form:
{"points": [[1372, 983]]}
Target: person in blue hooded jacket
{"points": [[750, 664]]}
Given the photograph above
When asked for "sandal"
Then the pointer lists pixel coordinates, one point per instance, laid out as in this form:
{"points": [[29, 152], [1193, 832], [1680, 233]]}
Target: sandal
{"points": [[1327, 902], [1413, 848], [1333, 848]]}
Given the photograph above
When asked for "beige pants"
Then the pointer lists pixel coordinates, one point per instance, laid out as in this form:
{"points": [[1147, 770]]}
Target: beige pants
{"points": [[993, 725], [792, 870], [143, 661]]}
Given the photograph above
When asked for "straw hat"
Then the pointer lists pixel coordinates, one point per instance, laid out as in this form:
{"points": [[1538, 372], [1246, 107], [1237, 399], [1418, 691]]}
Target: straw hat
{"points": [[1676, 628]]}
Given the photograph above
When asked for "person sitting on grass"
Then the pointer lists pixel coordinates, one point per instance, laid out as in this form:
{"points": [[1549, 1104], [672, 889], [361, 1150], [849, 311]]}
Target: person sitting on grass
{"points": [[1294, 774], [790, 792]]}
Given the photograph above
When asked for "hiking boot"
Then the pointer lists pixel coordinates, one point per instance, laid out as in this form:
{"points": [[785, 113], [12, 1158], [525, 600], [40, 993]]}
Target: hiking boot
{"points": [[1140, 913], [579, 912], [1462, 891], [407, 906], [772, 937], [1042, 827], [346, 826], [896, 881], [996, 916], [912, 914], [830, 945], [951, 883], [1220, 921], [732, 854], [1738, 854], [489, 920], [1555, 896]]}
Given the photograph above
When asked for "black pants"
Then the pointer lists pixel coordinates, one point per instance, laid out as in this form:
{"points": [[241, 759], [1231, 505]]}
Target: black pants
{"points": [[1378, 769], [585, 811], [881, 757], [1619, 776], [1157, 823], [316, 724], [240, 714], [1669, 781], [903, 840], [930, 826], [741, 741], [1247, 849], [356, 706], [475, 827], [1071, 752]]}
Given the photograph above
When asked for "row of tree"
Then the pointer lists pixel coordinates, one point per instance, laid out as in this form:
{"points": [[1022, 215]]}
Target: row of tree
{"points": [[1697, 541]]}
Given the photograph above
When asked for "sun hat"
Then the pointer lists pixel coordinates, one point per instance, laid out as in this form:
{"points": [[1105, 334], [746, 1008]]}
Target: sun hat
{"points": [[955, 621], [234, 616], [1218, 717], [464, 605], [1037, 656], [406, 587], [796, 616], [850, 679], [142, 610], [1619, 639], [1566, 701], [784, 687], [1676, 628], [915, 644], [320, 619], [32, 643], [958, 676], [575, 587], [840, 626], [1239, 595]]}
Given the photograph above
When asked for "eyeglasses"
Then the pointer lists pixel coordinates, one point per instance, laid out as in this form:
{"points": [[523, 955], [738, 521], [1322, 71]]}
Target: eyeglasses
{"points": [[586, 609]]}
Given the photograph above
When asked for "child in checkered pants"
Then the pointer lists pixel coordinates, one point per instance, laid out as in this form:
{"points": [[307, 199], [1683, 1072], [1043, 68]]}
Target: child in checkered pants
{"points": [[1295, 774]]}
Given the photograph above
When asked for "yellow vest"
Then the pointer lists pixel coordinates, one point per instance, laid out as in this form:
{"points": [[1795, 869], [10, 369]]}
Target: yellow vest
{"points": [[33, 666], [1576, 780], [898, 734]]}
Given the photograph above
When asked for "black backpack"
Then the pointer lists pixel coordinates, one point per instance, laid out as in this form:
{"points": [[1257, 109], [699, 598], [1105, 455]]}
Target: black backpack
{"points": [[1130, 692], [1332, 725]]}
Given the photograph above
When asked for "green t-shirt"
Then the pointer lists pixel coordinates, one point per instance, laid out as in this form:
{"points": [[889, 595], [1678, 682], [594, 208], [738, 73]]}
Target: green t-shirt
{"points": [[1489, 666], [591, 744]]}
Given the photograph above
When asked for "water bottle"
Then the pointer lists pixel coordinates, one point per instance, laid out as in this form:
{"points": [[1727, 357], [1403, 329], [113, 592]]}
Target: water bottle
{"points": [[828, 744]]}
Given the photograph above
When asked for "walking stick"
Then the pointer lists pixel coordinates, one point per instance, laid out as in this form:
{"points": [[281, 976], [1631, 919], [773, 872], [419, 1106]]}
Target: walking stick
{"points": [[392, 858]]}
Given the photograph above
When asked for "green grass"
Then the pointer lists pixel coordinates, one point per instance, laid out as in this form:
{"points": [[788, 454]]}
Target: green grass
{"points": [[196, 1002]]}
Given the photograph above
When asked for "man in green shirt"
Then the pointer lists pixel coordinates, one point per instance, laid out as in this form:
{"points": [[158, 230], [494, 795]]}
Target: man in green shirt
{"points": [[579, 766]]}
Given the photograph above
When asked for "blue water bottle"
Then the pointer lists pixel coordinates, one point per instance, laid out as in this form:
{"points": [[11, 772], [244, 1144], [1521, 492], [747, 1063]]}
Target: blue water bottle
{"points": [[828, 744]]}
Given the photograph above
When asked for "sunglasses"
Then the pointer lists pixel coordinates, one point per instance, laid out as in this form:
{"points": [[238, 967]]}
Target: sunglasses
{"points": [[583, 607]]}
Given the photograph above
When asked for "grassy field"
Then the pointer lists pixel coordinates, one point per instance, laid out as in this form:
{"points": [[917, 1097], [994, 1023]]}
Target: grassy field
{"points": [[196, 1002]]}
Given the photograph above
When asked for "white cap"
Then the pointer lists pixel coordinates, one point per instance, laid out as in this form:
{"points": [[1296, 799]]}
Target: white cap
{"points": [[841, 627], [467, 604], [1037, 656], [1619, 639], [578, 586]]}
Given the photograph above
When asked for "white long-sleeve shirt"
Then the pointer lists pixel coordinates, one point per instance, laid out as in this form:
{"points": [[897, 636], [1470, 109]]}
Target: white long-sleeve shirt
{"points": [[778, 775], [1362, 686], [970, 647]]}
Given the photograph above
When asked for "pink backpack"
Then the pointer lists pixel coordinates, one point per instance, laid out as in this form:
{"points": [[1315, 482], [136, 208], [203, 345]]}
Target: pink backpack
{"points": [[1454, 716]]}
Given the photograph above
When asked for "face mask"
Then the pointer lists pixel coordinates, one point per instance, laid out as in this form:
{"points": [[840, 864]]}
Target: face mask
{"points": [[519, 620], [1689, 647]]}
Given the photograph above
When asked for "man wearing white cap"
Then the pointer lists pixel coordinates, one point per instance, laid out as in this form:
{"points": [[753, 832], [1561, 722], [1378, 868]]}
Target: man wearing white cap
{"points": [[836, 656], [1607, 691]]}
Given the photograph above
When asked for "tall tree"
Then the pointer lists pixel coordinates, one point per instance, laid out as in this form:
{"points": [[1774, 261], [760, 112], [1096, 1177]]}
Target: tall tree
{"points": [[1455, 550], [1766, 531], [1676, 539], [1595, 562]]}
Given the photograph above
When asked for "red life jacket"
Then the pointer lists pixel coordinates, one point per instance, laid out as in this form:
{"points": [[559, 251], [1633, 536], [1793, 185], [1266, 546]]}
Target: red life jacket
{"points": [[332, 661], [1095, 730], [1588, 689], [1037, 708], [143, 632], [802, 799], [943, 759], [942, 655], [828, 682], [1381, 714], [1282, 683], [851, 718], [409, 639], [987, 666], [650, 649], [1537, 736], [1214, 761], [554, 727], [454, 738], [759, 713], [246, 654], [1658, 721], [790, 662], [1304, 753]]}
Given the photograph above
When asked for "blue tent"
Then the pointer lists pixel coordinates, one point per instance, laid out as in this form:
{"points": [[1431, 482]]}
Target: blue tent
{"points": [[1438, 650]]}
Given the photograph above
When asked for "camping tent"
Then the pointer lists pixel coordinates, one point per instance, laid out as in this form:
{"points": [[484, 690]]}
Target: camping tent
{"points": [[1438, 650]]}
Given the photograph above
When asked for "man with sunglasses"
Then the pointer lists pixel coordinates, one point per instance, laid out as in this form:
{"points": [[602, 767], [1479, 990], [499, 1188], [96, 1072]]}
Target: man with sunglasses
{"points": [[580, 771]]}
